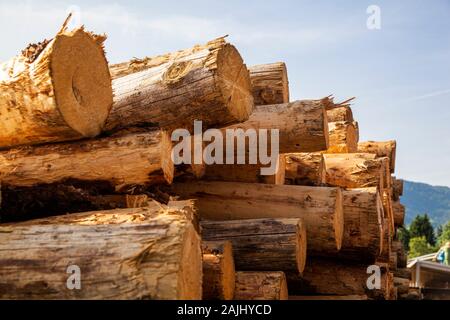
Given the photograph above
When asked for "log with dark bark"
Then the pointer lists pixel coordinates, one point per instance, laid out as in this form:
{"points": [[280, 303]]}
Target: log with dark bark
{"points": [[209, 83], [261, 286], [56, 90], [302, 125], [334, 277], [146, 253], [304, 169], [381, 149], [262, 244], [320, 208], [344, 137], [131, 158], [218, 270], [270, 84]]}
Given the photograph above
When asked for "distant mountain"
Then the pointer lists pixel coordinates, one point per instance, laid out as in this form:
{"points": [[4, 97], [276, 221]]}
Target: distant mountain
{"points": [[420, 198]]}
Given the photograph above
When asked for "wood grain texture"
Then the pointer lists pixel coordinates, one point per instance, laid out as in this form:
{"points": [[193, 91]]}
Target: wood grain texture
{"points": [[381, 149], [320, 208], [344, 137], [146, 253], [56, 90], [209, 83], [270, 84], [262, 244], [304, 169], [340, 114]]}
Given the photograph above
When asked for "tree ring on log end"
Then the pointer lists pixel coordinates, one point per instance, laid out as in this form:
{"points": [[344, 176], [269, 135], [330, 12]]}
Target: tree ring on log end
{"points": [[81, 81], [234, 82]]}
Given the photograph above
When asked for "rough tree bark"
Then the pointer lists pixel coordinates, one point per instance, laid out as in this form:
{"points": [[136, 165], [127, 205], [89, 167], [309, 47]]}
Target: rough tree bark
{"points": [[210, 83], [262, 244], [320, 208], [147, 253], [270, 84], [381, 149], [261, 286], [218, 270], [55, 90], [126, 159]]}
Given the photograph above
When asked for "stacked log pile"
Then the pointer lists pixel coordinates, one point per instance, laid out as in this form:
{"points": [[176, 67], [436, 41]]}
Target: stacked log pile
{"points": [[91, 191]]}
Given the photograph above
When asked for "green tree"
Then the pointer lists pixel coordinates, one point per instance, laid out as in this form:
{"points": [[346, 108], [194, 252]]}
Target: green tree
{"points": [[422, 227], [419, 246], [445, 234], [403, 236]]}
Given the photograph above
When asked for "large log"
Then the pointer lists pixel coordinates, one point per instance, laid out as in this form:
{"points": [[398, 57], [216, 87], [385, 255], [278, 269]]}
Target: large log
{"points": [[147, 253], [399, 213], [210, 83], [344, 137], [55, 90], [127, 159], [218, 270], [250, 173], [262, 244], [363, 214], [261, 286], [343, 113], [304, 169], [270, 84], [381, 149], [302, 125], [334, 277], [353, 171], [320, 208]]}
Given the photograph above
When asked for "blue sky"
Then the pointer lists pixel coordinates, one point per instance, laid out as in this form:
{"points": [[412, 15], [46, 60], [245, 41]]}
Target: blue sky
{"points": [[399, 74]]}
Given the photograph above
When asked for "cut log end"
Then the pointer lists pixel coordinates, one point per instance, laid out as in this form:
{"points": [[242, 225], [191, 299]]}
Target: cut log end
{"points": [[261, 286], [81, 81], [234, 80]]}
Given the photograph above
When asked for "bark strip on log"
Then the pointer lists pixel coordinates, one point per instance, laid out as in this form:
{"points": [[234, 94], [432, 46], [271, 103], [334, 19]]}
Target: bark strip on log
{"points": [[218, 270], [381, 149], [127, 159], [320, 208], [56, 90], [262, 244], [302, 125], [209, 83], [270, 84], [261, 286], [304, 169], [147, 253]]}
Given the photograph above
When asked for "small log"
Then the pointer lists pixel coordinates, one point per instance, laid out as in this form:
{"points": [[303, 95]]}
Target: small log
{"points": [[261, 286], [363, 214], [262, 244], [209, 83], [343, 137], [270, 84], [304, 169], [340, 114], [399, 213], [311, 136], [381, 149], [218, 270], [146, 253], [353, 171], [56, 90], [142, 158], [397, 185], [320, 208]]}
